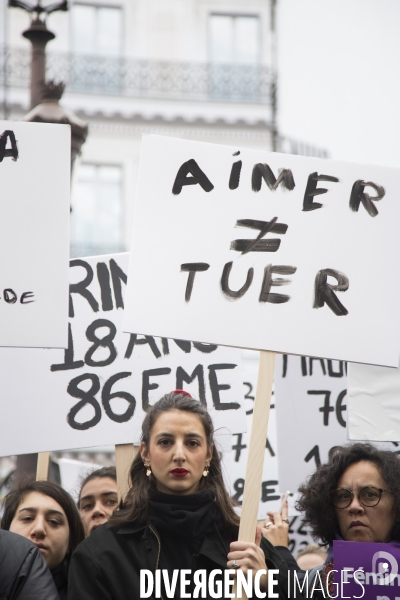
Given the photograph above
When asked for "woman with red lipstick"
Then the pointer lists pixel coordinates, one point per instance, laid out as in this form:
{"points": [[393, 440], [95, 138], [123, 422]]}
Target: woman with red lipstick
{"points": [[46, 514], [353, 497], [178, 515]]}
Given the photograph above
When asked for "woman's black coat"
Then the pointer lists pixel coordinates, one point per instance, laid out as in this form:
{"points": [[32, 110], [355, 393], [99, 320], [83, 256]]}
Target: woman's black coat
{"points": [[106, 566]]}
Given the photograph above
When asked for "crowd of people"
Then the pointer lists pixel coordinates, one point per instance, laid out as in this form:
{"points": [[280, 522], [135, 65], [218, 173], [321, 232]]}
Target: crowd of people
{"points": [[179, 518]]}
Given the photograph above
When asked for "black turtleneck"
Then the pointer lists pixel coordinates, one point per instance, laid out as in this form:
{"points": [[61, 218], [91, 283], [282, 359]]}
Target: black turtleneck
{"points": [[182, 522]]}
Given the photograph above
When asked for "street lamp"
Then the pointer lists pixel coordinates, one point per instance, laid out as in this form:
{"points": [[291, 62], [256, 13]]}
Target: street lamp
{"points": [[45, 96], [39, 8], [39, 36], [46, 109], [50, 111]]}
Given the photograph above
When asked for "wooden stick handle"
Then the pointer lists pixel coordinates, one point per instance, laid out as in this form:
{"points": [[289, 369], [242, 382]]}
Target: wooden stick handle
{"points": [[42, 469], [255, 457], [124, 455]]}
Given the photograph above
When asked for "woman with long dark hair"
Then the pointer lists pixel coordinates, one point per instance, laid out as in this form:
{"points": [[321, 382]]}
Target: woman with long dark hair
{"points": [[46, 514], [178, 516]]}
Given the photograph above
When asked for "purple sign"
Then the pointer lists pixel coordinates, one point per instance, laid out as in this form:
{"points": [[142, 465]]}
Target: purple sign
{"points": [[366, 570]]}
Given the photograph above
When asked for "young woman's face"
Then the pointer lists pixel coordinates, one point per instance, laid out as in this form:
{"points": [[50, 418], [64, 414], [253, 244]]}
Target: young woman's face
{"points": [[42, 520], [177, 453], [99, 499], [358, 523]]}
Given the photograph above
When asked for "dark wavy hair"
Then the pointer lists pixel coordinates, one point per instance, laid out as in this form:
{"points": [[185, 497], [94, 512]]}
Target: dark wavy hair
{"points": [[55, 491], [315, 501], [137, 499]]}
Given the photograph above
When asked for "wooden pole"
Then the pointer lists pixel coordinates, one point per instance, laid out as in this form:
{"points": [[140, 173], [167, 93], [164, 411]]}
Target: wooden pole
{"points": [[124, 455], [42, 469], [255, 457]]}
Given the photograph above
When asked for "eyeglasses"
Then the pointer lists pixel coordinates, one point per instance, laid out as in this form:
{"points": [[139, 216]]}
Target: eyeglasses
{"points": [[367, 496]]}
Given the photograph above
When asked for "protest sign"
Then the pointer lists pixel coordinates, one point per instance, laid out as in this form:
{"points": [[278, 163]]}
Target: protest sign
{"points": [[234, 464], [310, 398], [219, 284], [373, 404], [299, 535], [235, 461], [312, 409], [366, 570], [34, 234], [97, 391]]}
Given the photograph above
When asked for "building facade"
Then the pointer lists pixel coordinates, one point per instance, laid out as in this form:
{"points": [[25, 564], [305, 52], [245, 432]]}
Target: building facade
{"points": [[196, 69]]}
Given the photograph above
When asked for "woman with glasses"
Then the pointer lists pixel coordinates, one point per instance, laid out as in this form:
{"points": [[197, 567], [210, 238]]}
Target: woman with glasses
{"points": [[355, 496]]}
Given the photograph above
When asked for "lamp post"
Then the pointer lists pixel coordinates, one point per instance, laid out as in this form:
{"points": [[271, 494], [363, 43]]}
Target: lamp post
{"points": [[50, 111], [45, 108], [45, 96], [38, 34]]}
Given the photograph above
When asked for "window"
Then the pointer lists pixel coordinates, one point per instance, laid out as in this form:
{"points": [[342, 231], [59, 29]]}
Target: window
{"points": [[97, 211], [235, 39], [97, 47], [234, 51], [96, 29]]}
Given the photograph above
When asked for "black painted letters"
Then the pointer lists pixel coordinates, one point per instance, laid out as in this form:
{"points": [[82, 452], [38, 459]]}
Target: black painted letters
{"points": [[358, 195], [198, 177], [312, 190], [324, 291], [8, 152]]}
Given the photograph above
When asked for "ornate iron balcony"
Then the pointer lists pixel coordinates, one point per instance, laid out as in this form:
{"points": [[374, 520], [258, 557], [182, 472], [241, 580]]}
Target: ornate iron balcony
{"points": [[142, 78]]}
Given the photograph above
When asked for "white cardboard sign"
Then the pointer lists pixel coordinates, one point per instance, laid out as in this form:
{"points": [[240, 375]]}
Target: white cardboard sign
{"points": [[97, 391], [235, 463], [311, 400], [315, 414], [374, 410], [34, 234], [300, 266]]}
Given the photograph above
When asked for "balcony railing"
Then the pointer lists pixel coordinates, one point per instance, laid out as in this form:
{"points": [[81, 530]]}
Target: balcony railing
{"points": [[142, 78], [292, 146]]}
